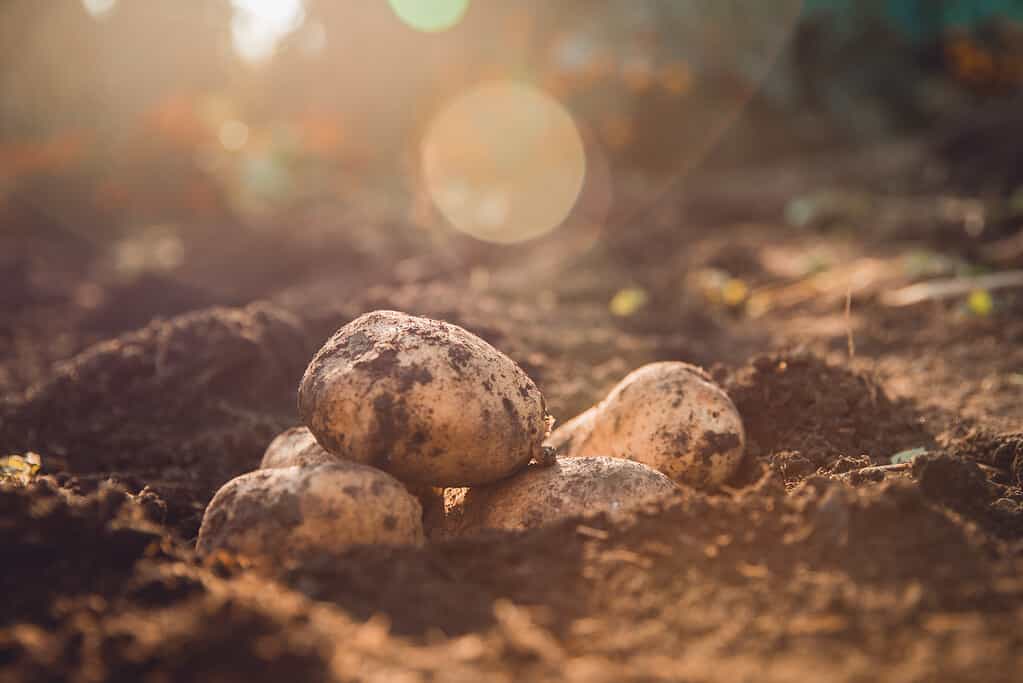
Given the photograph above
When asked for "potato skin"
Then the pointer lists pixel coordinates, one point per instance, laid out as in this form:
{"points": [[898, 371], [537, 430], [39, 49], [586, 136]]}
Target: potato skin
{"points": [[295, 447], [571, 487], [424, 400], [297, 512], [669, 416]]}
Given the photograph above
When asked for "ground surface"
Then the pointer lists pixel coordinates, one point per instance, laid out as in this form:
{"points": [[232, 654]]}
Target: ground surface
{"points": [[810, 566]]}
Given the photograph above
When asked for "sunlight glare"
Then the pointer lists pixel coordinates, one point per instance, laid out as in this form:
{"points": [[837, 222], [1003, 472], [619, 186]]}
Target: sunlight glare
{"points": [[259, 25], [98, 8]]}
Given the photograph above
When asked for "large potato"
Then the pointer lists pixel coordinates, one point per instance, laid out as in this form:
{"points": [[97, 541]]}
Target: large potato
{"points": [[571, 487], [669, 416], [295, 512], [295, 447], [424, 400]]}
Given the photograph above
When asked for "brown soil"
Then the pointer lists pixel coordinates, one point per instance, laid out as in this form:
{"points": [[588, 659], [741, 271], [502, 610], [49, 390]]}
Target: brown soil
{"points": [[820, 561], [821, 416]]}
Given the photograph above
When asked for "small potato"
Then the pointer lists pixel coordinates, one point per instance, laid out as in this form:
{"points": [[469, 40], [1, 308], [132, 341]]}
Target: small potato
{"points": [[296, 447], [571, 487], [423, 400], [669, 416], [295, 512]]}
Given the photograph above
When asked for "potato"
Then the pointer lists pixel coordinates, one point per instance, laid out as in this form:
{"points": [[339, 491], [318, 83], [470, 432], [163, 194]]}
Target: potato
{"points": [[571, 487], [424, 400], [296, 512], [669, 416], [295, 447]]}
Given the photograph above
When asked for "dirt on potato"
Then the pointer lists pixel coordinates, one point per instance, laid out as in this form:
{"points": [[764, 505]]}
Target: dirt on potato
{"points": [[822, 559]]}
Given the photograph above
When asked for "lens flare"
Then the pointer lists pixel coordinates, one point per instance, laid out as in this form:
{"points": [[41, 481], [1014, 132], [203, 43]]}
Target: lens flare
{"points": [[430, 16], [233, 135], [504, 162]]}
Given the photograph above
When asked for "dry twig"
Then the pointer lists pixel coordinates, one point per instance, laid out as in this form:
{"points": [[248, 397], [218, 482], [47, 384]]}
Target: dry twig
{"points": [[937, 290]]}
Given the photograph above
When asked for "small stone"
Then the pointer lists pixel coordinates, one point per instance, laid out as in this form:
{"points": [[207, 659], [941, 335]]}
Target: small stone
{"points": [[1005, 506]]}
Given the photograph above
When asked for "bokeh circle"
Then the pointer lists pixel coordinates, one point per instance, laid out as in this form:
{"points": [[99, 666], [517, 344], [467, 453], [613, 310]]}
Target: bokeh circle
{"points": [[504, 162]]}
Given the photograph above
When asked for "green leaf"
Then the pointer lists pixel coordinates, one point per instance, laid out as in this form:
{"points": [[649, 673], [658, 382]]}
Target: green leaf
{"points": [[628, 301], [907, 456], [980, 303]]}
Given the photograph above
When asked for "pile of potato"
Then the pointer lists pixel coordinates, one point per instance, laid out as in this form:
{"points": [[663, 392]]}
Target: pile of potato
{"points": [[399, 410]]}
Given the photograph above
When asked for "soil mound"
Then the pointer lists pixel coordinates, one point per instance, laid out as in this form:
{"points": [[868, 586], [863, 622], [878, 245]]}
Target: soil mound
{"points": [[191, 400], [802, 414]]}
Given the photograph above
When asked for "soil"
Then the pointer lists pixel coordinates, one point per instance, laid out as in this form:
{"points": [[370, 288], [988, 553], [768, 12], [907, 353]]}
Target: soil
{"points": [[822, 560]]}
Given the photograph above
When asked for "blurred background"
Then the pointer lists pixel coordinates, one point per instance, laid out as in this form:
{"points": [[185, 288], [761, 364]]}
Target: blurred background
{"points": [[126, 114], [162, 155]]}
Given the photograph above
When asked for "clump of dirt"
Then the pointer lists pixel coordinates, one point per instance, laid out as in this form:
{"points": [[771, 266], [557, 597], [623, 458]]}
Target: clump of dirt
{"points": [[956, 483], [57, 543], [1004, 452], [802, 414], [882, 532], [219, 636], [221, 381], [451, 586], [962, 486]]}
